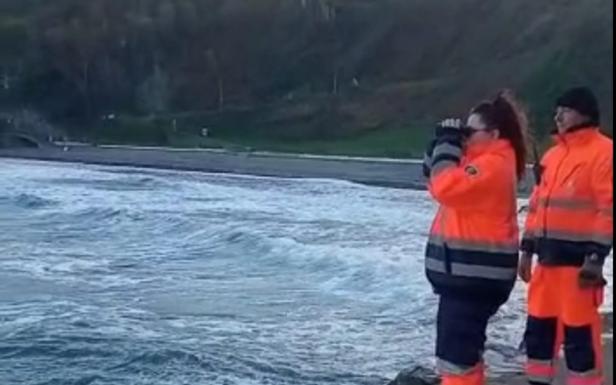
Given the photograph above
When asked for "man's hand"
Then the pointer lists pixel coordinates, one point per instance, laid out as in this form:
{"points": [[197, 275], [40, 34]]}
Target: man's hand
{"points": [[591, 274], [525, 267]]}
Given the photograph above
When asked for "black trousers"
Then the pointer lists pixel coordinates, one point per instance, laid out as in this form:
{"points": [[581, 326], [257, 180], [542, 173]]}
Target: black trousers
{"points": [[461, 330]]}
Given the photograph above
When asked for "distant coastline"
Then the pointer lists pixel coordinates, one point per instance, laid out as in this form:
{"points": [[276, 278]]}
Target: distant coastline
{"points": [[383, 172]]}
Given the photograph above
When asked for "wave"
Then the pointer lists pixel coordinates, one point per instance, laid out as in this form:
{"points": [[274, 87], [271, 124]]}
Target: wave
{"points": [[124, 183], [27, 201]]}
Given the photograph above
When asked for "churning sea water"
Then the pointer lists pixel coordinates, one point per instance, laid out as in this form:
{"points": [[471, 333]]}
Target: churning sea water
{"points": [[130, 276]]}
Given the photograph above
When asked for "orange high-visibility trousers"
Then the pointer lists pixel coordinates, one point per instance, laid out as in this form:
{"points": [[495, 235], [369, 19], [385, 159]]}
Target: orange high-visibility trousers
{"points": [[560, 312]]}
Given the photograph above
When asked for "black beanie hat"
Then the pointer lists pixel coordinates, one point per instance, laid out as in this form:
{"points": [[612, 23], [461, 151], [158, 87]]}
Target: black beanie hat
{"points": [[583, 101]]}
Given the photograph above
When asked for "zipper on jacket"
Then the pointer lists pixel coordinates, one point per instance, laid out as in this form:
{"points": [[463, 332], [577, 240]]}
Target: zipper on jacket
{"points": [[572, 173]]}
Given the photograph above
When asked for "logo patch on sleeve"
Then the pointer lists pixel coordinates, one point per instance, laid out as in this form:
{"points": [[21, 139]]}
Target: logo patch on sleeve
{"points": [[471, 170]]}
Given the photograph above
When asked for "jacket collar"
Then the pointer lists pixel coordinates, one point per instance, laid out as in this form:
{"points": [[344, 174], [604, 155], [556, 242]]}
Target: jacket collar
{"points": [[492, 146], [577, 135]]}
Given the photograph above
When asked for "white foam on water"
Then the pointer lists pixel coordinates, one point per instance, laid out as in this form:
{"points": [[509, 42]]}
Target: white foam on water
{"points": [[318, 275]]}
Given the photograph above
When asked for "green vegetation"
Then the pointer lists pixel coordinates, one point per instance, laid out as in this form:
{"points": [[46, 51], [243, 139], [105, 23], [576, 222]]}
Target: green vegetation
{"points": [[361, 77], [391, 142]]}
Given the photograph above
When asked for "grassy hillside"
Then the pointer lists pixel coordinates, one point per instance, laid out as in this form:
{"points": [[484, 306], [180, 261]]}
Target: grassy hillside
{"points": [[352, 76]]}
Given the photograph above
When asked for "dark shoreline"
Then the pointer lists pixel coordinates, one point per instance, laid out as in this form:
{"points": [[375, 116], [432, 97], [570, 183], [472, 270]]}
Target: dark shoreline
{"points": [[384, 173], [393, 173]]}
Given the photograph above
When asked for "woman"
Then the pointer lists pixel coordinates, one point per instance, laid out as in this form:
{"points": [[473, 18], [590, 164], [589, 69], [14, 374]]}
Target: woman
{"points": [[472, 253]]}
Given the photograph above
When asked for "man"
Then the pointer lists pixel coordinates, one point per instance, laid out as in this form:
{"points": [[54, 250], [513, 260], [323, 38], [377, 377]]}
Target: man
{"points": [[569, 228]]}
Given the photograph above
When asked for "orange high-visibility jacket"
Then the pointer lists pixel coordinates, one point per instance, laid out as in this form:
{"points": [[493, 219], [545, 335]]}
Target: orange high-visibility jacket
{"points": [[473, 244], [570, 211]]}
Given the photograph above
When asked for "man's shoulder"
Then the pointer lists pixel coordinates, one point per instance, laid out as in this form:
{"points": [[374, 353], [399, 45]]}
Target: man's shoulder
{"points": [[550, 152], [601, 139], [603, 149]]}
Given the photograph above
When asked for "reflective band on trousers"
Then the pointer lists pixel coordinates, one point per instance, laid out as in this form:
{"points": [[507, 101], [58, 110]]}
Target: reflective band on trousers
{"points": [[540, 371], [446, 367], [488, 247], [591, 377], [472, 271]]}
